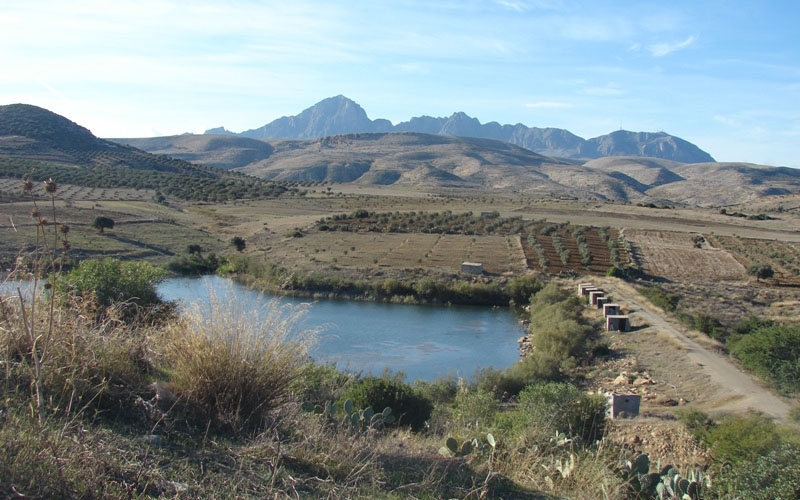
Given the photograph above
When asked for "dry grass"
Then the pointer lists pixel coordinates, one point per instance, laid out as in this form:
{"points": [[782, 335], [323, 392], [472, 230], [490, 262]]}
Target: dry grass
{"points": [[236, 361]]}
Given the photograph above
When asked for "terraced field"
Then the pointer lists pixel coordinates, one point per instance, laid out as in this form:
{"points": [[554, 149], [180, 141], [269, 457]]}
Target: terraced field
{"points": [[677, 257]]}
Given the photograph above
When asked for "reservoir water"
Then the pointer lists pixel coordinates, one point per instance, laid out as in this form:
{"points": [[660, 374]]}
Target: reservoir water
{"points": [[424, 342]]}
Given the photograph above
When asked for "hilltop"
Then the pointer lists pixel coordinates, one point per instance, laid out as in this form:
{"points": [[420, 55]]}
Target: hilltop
{"points": [[340, 115], [42, 144]]}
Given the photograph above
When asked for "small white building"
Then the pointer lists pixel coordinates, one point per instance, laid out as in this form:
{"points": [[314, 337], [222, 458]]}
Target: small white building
{"points": [[617, 323], [581, 286], [594, 295], [623, 405], [472, 267]]}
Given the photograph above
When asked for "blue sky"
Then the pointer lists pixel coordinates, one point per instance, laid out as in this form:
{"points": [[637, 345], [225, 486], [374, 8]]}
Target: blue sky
{"points": [[722, 74]]}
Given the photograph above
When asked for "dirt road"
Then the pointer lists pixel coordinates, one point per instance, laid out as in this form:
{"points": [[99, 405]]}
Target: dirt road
{"points": [[738, 390]]}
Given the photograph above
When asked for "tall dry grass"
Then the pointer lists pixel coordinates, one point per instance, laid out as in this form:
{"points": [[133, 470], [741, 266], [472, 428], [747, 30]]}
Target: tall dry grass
{"points": [[237, 361]]}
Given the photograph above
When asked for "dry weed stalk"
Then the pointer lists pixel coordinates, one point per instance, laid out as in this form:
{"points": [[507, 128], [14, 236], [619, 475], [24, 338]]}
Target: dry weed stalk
{"points": [[44, 263]]}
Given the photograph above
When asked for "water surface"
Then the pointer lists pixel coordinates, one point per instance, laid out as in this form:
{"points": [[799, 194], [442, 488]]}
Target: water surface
{"points": [[423, 341]]}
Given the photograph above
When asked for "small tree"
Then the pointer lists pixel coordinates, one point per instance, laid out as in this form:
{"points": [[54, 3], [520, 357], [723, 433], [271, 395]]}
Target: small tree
{"points": [[194, 248], [761, 271], [238, 243], [101, 223]]}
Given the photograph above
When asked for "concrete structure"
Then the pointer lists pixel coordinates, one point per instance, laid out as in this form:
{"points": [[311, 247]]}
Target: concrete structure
{"points": [[585, 290], [610, 309], [594, 295], [472, 267], [581, 286], [600, 302], [626, 405], [617, 323]]}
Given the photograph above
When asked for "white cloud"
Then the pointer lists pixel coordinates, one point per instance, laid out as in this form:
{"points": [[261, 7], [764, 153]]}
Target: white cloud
{"points": [[523, 5], [663, 49], [414, 68], [727, 120], [607, 90], [548, 105]]}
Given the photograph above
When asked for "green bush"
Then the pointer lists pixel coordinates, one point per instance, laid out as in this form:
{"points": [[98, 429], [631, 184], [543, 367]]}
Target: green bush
{"points": [[772, 353], [520, 289], [665, 300], [562, 407], [741, 439], [773, 475], [193, 263], [410, 408], [441, 390], [110, 281], [475, 409]]}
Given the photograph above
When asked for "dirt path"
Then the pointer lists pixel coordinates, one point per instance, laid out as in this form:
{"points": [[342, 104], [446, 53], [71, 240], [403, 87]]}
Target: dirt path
{"points": [[738, 391]]}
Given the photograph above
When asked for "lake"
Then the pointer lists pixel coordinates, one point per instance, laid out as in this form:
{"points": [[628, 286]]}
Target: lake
{"points": [[424, 342]]}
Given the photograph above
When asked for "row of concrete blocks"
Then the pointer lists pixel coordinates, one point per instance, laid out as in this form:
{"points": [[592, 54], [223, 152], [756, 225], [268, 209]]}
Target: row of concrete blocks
{"points": [[597, 297]]}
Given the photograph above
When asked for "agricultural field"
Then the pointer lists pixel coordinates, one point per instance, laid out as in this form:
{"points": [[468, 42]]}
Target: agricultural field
{"points": [[783, 257], [683, 257], [10, 189], [141, 230], [435, 252]]}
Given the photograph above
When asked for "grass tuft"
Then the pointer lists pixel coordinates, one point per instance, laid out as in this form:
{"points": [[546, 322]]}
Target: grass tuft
{"points": [[237, 362]]}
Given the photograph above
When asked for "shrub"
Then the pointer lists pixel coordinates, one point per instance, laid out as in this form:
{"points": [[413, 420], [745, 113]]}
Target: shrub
{"points": [[238, 243], [775, 474], [475, 409], [665, 300], [110, 281], [739, 440], [760, 271], [562, 407], [520, 289], [410, 408], [235, 363], [772, 353], [441, 390], [193, 263]]}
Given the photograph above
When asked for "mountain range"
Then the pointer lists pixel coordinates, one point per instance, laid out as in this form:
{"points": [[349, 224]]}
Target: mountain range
{"points": [[428, 161], [340, 115], [38, 142]]}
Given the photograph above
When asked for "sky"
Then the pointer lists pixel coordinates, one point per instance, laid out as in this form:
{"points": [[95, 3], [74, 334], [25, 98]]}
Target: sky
{"points": [[724, 75]]}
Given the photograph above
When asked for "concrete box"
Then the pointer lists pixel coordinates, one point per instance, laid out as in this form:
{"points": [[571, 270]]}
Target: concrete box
{"points": [[610, 309], [585, 290], [593, 296], [627, 403], [617, 323], [472, 267], [600, 302], [581, 286]]}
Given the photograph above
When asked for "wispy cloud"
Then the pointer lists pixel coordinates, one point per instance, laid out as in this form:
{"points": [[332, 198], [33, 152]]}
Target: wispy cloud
{"points": [[727, 120], [663, 49], [523, 5], [548, 105], [607, 90], [414, 68]]}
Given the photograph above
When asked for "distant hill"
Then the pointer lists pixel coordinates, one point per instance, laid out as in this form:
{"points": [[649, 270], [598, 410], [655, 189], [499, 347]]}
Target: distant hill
{"points": [[340, 115], [429, 161], [42, 144], [709, 184]]}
